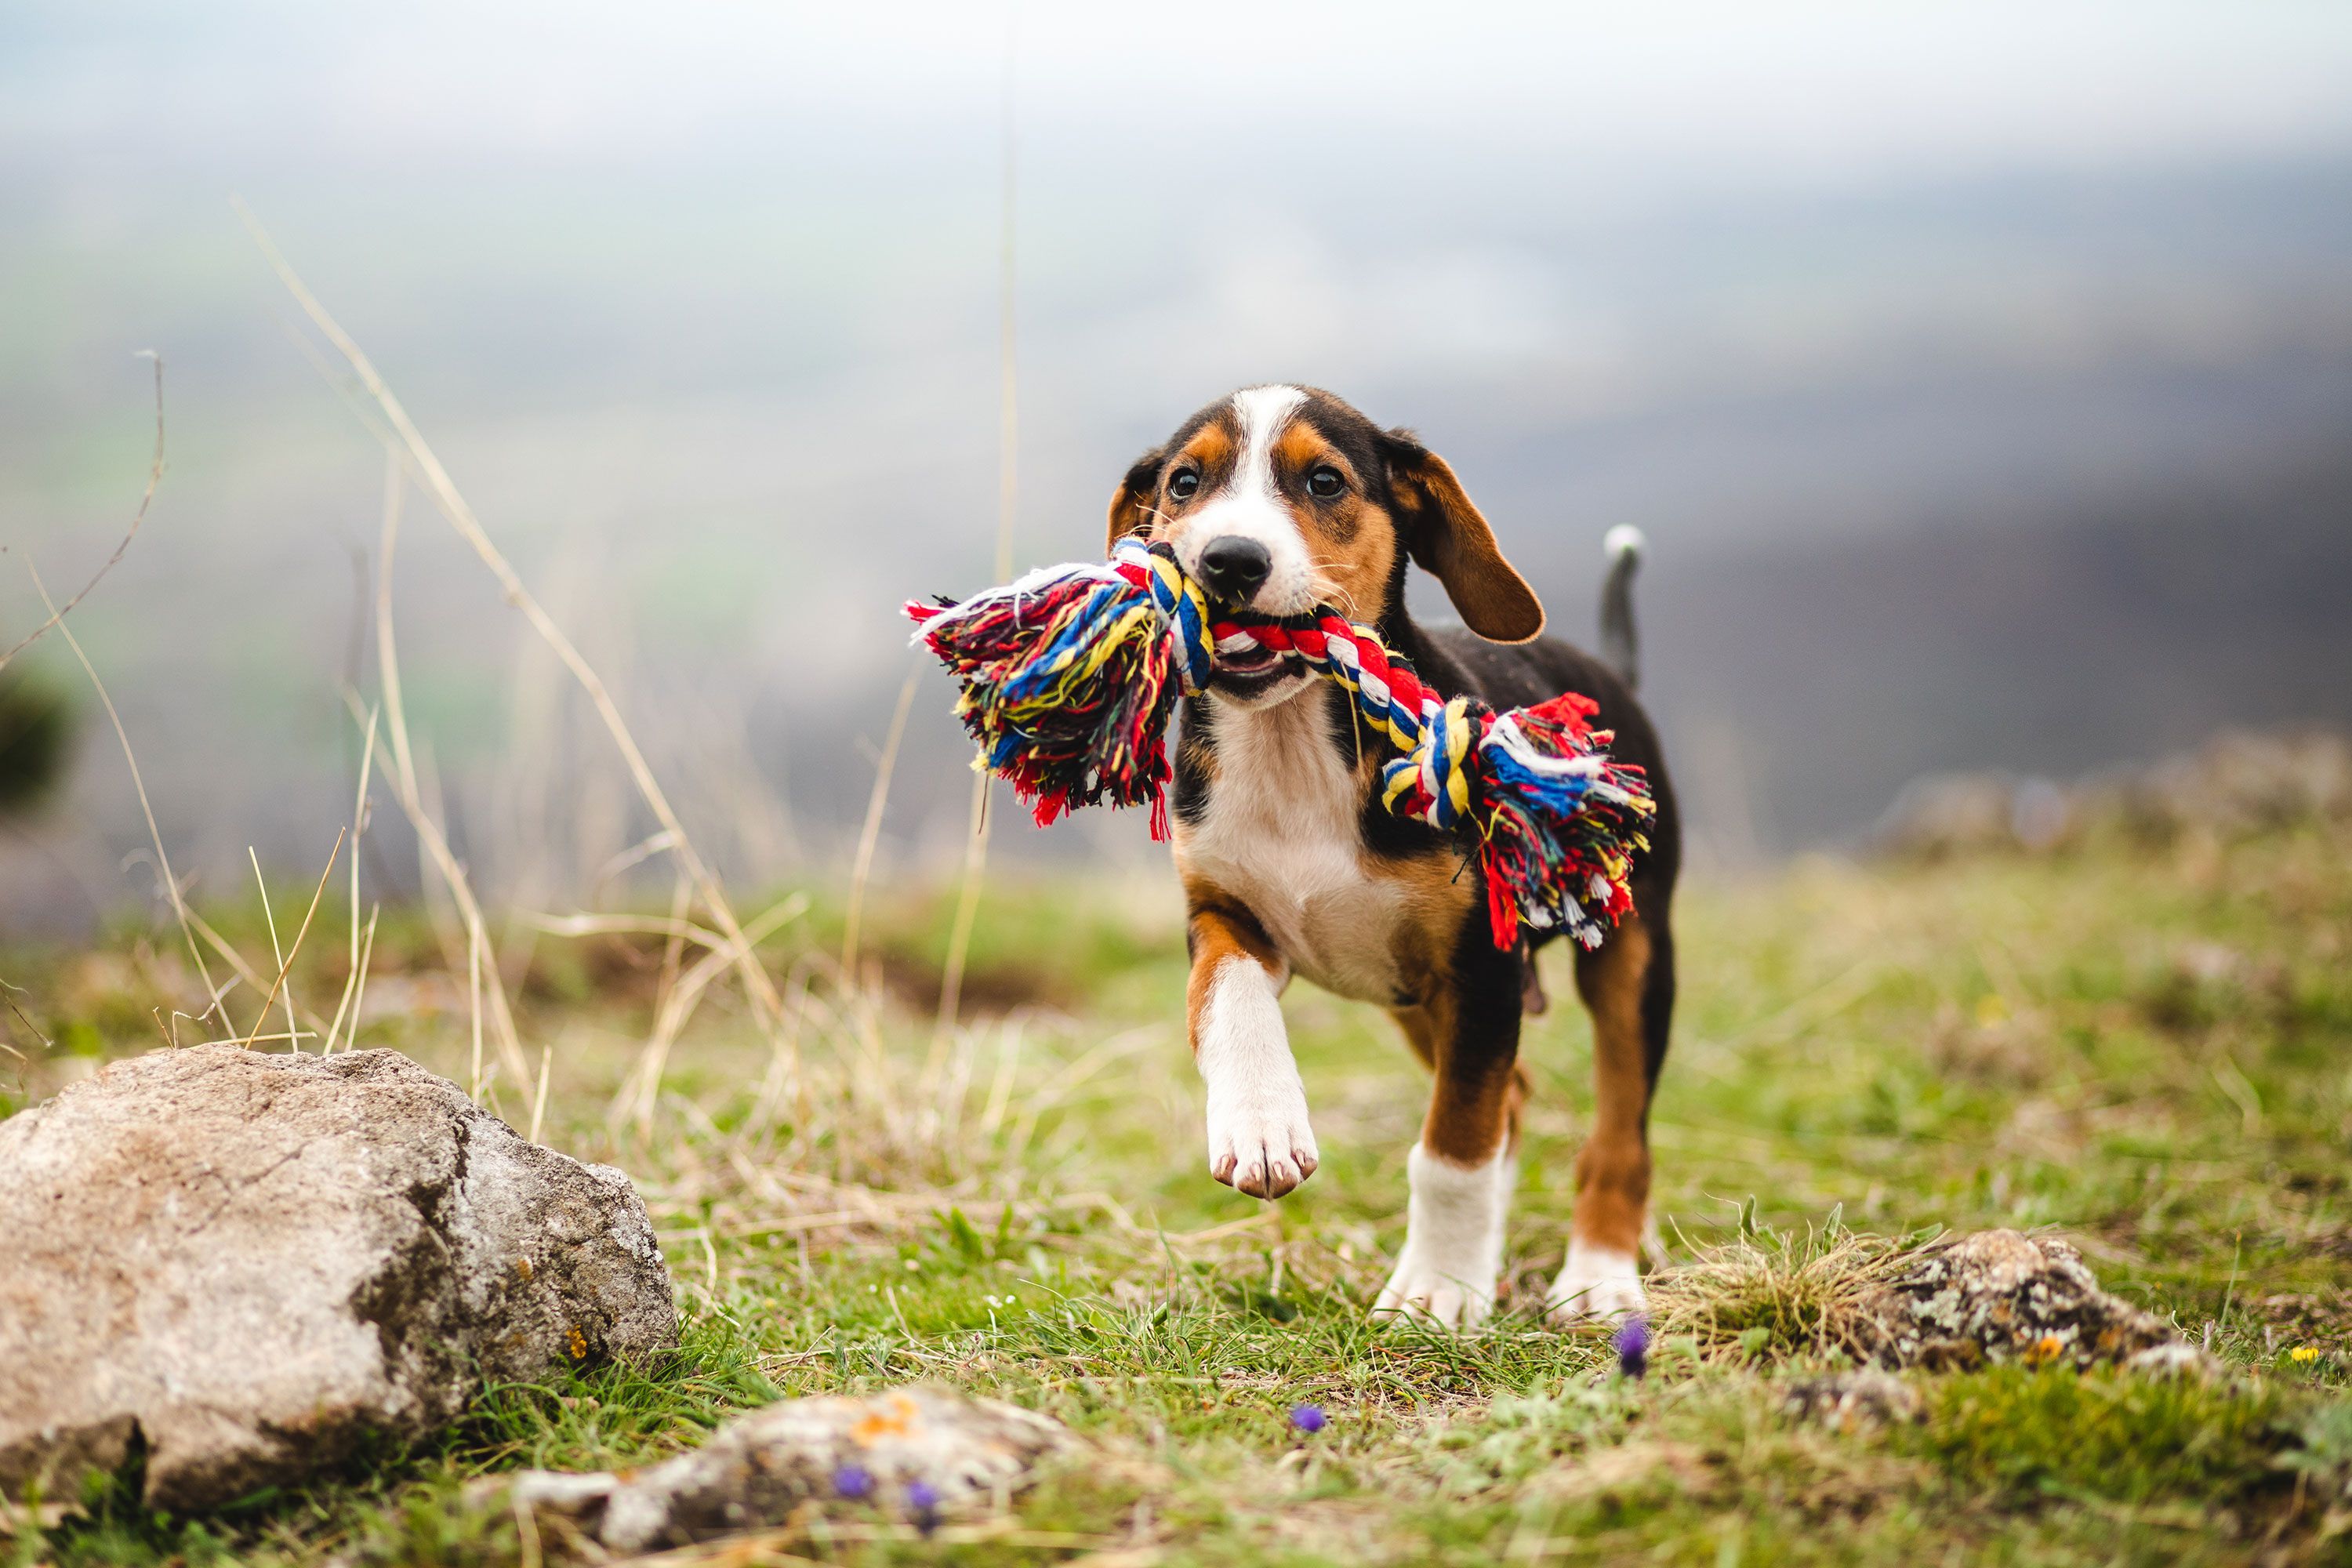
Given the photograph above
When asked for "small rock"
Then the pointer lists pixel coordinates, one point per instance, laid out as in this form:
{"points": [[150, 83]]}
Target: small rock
{"points": [[923, 1451], [2236, 783], [246, 1266], [1850, 1400], [1999, 1296]]}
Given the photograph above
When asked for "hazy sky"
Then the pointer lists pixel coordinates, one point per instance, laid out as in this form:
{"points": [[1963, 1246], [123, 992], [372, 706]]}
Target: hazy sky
{"points": [[1712, 92]]}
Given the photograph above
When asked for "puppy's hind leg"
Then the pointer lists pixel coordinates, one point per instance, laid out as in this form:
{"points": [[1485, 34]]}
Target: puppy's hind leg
{"points": [[1466, 1165], [1628, 987]]}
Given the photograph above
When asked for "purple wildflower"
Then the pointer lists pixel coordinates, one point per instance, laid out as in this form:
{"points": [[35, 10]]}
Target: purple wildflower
{"points": [[1308, 1417], [852, 1481], [1632, 1343], [923, 1499]]}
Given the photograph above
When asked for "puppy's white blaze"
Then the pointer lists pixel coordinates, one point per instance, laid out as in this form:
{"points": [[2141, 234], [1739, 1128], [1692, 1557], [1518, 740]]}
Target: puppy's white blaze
{"points": [[1262, 411], [1251, 506], [1452, 1240], [1258, 1108]]}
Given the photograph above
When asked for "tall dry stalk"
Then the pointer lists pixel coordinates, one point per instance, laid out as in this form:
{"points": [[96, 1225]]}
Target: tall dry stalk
{"points": [[975, 859], [421, 818], [353, 974], [765, 1001], [871, 833], [155, 477], [214, 1004]]}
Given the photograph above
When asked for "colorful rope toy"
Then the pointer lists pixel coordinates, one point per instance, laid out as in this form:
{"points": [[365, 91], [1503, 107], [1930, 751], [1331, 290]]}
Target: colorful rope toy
{"points": [[1070, 676]]}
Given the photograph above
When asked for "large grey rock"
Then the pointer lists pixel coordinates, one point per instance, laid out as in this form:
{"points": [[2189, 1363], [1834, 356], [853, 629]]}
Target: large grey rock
{"points": [[246, 1266], [924, 1451]]}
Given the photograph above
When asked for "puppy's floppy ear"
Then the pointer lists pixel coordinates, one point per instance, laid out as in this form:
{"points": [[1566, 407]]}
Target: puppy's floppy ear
{"points": [[1448, 537], [1131, 504]]}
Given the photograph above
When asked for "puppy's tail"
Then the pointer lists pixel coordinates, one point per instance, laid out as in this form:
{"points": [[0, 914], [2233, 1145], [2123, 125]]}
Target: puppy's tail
{"points": [[1619, 643]]}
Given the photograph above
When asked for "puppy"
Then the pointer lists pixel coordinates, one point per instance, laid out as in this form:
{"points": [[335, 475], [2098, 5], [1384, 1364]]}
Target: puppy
{"points": [[1276, 499]]}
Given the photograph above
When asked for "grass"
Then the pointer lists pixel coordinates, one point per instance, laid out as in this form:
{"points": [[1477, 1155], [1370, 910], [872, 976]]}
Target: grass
{"points": [[2146, 1048]]}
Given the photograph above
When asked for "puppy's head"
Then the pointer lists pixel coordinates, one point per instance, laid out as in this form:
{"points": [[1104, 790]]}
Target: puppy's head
{"points": [[1281, 498]]}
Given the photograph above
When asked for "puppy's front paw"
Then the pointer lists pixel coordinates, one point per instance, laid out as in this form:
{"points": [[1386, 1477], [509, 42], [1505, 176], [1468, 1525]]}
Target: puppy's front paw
{"points": [[1429, 1290], [1259, 1143], [1595, 1283]]}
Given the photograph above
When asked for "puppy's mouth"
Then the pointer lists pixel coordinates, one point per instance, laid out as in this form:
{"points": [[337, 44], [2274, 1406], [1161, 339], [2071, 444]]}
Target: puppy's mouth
{"points": [[1246, 668]]}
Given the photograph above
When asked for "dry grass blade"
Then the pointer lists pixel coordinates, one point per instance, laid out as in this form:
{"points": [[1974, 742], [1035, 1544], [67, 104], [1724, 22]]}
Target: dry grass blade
{"points": [[432, 845], [626, 925], [474, 1000], [538, 1099], [243, 973], [270, 919], [154, 477], [975, 867], [765, 999], [9, 993], [871, 833], [293, 1041], [286, 964], [358, 827], [358, 991], [154, 834], [354, 984], [635, 855], [642, 1090]]}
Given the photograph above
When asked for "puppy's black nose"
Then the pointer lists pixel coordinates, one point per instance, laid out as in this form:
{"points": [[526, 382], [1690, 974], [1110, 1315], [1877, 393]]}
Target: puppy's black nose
{"points": [[1233, 568]]}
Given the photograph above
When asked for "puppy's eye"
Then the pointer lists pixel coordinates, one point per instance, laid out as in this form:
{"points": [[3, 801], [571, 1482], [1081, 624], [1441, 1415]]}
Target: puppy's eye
{"points": [[1181, 484], [1324, 483]]}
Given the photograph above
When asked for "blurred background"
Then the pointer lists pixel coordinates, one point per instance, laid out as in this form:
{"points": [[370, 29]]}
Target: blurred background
{"points": [[1982, 375]]}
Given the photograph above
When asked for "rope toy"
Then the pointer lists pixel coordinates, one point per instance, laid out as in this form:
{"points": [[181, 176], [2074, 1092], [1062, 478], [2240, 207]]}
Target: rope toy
{"points": [[1070, 676]]}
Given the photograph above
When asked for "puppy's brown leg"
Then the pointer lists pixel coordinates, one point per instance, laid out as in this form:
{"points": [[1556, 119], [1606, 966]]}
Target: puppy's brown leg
{"points": [[1259, 1141], [1464, 1168], [1628, 987]]}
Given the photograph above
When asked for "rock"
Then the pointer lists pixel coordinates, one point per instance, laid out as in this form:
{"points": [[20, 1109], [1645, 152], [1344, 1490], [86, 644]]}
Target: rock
{"points": [[1943, 815], [2238, 783], [1849, 1401], [921, 1451], [245, 1266], [1999, 1296]]}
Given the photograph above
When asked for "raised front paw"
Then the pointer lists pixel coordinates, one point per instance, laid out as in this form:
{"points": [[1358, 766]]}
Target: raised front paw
{"points": [[1595, 1283], [1260, 1143], [1447, 1293]]}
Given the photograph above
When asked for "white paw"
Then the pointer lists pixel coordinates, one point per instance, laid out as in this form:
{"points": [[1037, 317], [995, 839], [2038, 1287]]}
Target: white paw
{"points": [[1453, 1242], [1259, 1141], [1422, 1288], [1595, 1283]]}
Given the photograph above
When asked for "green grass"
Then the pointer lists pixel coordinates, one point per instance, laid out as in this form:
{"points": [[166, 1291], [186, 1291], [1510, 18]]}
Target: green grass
{"points": [[2149, 1050]]}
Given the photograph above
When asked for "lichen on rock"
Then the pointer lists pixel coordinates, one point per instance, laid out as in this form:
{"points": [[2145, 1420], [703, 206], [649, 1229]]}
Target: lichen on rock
{"points": [[2001, 1296]]}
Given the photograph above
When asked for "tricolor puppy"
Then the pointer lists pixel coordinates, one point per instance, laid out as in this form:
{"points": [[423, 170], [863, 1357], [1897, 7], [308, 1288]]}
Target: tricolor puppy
{"points": [[1277, 499]]}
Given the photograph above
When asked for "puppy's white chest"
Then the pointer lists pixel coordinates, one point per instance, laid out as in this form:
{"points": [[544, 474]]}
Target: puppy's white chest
{"points": [[1280, 835]]}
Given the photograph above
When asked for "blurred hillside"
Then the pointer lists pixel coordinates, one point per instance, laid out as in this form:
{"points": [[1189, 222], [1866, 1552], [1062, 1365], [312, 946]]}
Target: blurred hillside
{"points": [[1961, 438]]}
